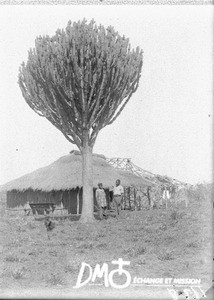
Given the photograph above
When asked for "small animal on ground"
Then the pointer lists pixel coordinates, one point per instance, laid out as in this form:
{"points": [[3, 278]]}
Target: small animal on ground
{"points": [[50, 225]]}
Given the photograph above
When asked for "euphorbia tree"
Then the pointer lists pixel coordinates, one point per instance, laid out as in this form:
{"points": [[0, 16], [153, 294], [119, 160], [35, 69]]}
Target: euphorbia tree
{"points": [[80, 79]]}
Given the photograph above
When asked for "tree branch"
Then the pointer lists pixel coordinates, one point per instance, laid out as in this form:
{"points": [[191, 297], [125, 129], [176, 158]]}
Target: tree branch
{"points": [[80, 79]]}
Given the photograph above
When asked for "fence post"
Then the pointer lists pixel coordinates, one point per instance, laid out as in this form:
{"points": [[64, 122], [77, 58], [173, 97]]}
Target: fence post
{"points": [[186, 198], [124, 200], [129, 197], [135, 202]]}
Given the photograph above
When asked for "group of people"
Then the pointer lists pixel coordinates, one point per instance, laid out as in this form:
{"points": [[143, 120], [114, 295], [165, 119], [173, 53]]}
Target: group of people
{"points": [[157, 195], [118, 192]]}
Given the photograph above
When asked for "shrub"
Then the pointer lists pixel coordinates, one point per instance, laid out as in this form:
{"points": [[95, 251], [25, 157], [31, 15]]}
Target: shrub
{"points": [[135, 239], [140, 250], [18, 273], [88, 246], [130, 252], [80, 238], [201, 192], [85, 246], [32, 226], [166, 256], [71, 269], [175, 215], [12, 258], [53, 252], [163, 226], [102, 245], [54, 279], [193, 244], [148, 240], [169, 238], [141, 261], [99, 235]]}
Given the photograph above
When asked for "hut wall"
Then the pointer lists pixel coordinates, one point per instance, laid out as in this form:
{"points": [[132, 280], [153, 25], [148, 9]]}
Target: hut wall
{"points": [[95, 201], [65, 199], [11, 199], [68, 198], [79, 191], [73, 201], [56, 197], [16, 198], [108, 198], [43, 197], [80, 200], [31, 196]]}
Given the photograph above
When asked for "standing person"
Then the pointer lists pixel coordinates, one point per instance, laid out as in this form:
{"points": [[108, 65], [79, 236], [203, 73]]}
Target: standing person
{"points": [[101, 201], [111, 197], [166, 195], [148, 196], [118, 192], [151, 194]]}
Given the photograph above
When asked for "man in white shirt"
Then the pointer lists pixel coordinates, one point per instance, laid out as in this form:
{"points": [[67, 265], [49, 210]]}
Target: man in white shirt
{"points": [[166, 194], [118, 192]]}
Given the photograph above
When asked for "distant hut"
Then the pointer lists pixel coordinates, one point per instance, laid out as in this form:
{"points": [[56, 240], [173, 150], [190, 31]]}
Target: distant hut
{"points": [[61, 183]]}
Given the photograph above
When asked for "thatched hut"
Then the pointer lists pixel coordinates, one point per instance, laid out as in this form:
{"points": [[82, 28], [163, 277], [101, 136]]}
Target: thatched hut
{"points": [[61, 183]]}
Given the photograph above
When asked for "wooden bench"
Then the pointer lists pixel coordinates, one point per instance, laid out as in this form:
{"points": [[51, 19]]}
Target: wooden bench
{"points": [[42, 208]]}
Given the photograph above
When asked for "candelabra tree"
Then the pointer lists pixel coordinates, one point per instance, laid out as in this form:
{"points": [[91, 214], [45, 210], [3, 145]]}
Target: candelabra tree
{"points": [[80, 79]]}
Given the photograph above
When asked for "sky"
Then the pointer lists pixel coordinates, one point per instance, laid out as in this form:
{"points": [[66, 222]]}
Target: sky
{"points": [[166, 127]]}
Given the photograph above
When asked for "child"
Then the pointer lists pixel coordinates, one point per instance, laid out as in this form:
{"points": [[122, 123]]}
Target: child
{"points": [[101, 201]]}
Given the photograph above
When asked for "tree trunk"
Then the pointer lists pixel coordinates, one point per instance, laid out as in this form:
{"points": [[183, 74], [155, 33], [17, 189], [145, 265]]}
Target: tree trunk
{"points": [[87, 215]]}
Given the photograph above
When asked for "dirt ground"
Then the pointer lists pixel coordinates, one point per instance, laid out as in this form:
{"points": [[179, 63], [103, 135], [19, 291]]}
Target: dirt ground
{"points": [[159, 243]]}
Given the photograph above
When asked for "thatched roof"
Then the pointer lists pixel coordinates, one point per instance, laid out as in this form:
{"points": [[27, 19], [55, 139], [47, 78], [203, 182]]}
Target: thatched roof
{"points": [[66, 173]]}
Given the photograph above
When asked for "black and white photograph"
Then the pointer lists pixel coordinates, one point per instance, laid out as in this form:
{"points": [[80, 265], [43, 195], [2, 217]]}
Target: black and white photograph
{"points": [[106, 142]]}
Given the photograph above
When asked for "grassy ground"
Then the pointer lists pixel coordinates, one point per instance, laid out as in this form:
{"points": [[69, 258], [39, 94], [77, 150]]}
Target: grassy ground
{"points": [[173, 243]]}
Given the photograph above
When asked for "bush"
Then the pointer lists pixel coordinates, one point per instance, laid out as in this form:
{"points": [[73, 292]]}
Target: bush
{"points": [[194, 244], [140, 251], [12, 258], [102, 245], [202, 191], [130, 252], [54, 279], [163, 226], [71, 269], [140, 261], [135, 239], [18, 273], [99, 235], [79, 238], [31, 226], [175, 215], [168, 255]]}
